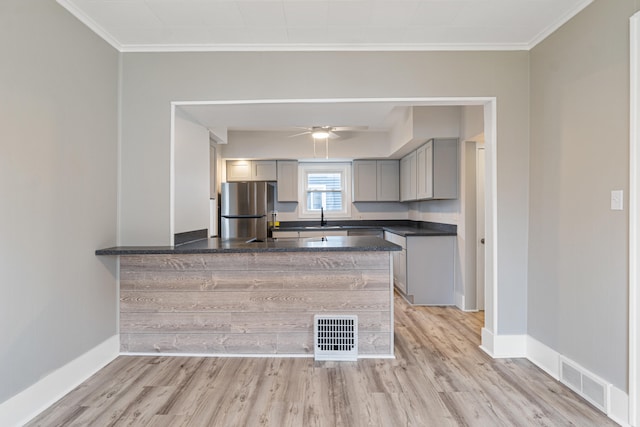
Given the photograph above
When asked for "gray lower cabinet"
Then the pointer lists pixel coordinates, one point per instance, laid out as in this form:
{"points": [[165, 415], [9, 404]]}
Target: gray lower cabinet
{"points": [[423, 270]]}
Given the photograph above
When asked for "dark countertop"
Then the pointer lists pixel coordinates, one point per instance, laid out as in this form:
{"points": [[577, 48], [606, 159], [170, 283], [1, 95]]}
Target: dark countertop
{"points": [[416, 231], [400, 227], [215, 245]]}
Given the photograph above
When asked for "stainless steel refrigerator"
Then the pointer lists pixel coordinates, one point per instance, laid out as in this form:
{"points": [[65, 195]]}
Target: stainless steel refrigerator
{"points": [[245, 208]]}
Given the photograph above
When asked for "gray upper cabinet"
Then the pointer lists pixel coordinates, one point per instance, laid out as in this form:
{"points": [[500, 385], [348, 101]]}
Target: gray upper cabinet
{"points": [[287, 181], [424, 160], [441, 169], [365, 181], [408, 177], [376, 181], [432, 170], [251, 170], [388, 178]]}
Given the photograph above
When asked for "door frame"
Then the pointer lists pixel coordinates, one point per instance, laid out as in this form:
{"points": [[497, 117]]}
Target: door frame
{"points": [[480, 290], [634, 221], [490, 329]]}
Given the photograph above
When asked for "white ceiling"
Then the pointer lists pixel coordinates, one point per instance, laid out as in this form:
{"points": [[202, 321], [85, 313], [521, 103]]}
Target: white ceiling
{"points": [[277, 116], [293, 116], [240, 25]]}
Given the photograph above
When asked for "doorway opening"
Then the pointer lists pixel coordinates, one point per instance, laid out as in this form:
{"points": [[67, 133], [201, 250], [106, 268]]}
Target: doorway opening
{"points": [[488, 105]]}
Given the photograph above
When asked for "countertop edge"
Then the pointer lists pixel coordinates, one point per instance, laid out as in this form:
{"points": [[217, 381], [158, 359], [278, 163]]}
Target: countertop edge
{"points": [[118, 250], [213, 246]]}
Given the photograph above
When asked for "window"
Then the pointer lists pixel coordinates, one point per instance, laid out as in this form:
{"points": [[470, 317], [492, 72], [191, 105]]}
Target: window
{"points": [[326, 186]]}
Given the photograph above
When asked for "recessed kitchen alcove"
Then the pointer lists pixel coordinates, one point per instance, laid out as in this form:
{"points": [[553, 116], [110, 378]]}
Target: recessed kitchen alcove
{"points": [[252, 108]]}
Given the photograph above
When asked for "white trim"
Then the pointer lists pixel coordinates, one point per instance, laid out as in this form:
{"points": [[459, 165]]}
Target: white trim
{"points": [[509, 346], [302, 47], [431, 101], [491, 224], [502, 346], [27, 404], [634, 221], [558, 23], [549, 360], [459, 301], [486, 341], [172, 177], [543, 357], [617, 405], [89, 22], [491, 193]]}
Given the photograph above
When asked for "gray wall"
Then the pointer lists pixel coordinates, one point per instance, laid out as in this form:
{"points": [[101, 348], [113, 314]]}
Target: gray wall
{"points": [[58, 133], [151, 81], [191, 163], [577, 296]]}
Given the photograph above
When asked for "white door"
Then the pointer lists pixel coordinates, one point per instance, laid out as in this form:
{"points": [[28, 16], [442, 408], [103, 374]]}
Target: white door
{"points": [[480, 232]]}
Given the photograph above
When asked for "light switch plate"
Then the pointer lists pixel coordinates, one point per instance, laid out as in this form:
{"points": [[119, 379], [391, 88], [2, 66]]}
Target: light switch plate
{"points": [[616, 200]]}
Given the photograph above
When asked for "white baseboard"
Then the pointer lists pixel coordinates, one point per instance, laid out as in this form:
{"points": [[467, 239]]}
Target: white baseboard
{"points": [[618, 408], [27, 404], [503, 346], [459, 298], [549, 360], [543, 357]]}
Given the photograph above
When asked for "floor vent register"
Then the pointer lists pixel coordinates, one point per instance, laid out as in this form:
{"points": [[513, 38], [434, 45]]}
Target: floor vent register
{"points": [[335, 337]]}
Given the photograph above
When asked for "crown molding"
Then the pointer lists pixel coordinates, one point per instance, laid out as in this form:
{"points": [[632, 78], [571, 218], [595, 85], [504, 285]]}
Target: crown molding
{"points": [[557, 24], [93, 25]]}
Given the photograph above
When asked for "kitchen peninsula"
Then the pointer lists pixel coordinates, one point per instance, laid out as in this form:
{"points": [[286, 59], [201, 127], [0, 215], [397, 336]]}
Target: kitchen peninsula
{"points": [[232, 297]]}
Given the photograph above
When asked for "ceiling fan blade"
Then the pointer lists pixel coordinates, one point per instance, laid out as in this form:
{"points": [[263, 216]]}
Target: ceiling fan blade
{"points": [[333, 135], [343, 128], [299, 134]]}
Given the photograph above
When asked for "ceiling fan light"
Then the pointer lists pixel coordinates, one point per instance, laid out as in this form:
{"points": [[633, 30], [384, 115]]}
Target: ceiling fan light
{"points": [[320, 134]]}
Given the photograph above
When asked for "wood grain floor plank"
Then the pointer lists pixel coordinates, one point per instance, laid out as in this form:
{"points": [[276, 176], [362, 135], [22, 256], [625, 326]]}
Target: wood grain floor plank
{"points": [[439, 378]]}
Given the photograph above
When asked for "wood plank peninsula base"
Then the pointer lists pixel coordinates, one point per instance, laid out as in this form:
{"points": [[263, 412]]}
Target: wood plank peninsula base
{"points": [[252, 303]]}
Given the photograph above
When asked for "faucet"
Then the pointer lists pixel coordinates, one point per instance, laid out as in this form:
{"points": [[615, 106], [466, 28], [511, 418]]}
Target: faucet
{"points": [[322, 221]]}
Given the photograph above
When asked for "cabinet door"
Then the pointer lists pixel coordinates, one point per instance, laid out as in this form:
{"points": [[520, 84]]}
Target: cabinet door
{"points": [[388, 177], [400, 270], [424, 161], [445, 168], [430, 269], [408, 178], [263, 170], [238, 170], [287, 181], [364, 181]]}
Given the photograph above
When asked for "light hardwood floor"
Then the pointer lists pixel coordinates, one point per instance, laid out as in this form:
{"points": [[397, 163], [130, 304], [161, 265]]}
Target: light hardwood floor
{"points": [[439, 378]]}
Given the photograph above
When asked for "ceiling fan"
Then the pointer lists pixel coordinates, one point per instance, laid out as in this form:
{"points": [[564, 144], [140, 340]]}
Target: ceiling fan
{"points": [[324, 132]]}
